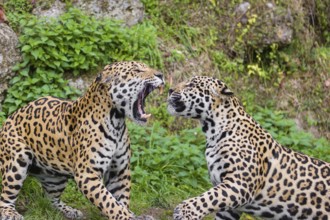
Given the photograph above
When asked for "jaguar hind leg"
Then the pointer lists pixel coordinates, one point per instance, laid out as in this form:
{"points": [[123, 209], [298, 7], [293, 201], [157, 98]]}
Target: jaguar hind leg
{"points": [[54, 186], [14, 172]]}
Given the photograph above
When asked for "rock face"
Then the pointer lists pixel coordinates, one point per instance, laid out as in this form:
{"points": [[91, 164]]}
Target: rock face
{"points": [[267, 23], [9, 56], [81, 82], [129, 11]]}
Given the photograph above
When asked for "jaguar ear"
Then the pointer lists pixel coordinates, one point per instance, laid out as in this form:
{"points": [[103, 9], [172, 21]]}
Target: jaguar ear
{"points": [[226, 91], [106, 79], [222, 89], [101, 78]]}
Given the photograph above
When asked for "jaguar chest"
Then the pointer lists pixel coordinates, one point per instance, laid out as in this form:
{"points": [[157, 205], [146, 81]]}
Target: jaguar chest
{"points": [[217, 164]]}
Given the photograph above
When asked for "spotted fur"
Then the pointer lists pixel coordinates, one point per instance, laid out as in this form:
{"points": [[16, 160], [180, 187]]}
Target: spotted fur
{"points": [[249, 170], [87, 140]]}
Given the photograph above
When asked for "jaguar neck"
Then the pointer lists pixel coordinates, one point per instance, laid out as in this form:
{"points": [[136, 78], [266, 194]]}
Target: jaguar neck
{"points": [[96, 103], [224, 119]]}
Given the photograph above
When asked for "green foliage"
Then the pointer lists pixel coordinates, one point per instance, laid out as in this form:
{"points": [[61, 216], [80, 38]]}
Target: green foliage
{"points": [[165, 164], [321, 16], [286, 132], [20, 6], [2, 118], [258, 39], [74, 43], [225, 64], [152, 7], [25, 88], [321, 56], [161, 115], [171, 21], [37, 206]]}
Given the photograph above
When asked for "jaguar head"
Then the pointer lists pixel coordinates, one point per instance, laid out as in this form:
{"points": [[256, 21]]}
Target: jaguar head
{"points": [[197, 97], [129, 83]]}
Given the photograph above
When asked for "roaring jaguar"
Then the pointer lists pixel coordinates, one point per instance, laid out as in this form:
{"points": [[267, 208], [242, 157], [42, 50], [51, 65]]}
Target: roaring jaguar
{"points": [[87, 139], [250, 171]]}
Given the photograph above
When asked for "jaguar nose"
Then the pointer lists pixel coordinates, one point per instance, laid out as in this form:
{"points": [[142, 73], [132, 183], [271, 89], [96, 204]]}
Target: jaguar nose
{"points": [[159, 75], [170, 91]]}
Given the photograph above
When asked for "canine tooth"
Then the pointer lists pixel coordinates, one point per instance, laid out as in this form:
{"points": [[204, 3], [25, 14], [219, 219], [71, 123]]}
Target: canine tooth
{"points": [[145, 116], [161, 89]]}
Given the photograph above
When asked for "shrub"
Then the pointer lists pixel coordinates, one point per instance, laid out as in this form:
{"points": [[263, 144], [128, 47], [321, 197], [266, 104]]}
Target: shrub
{"points": [[2, 118], [75, 43], [20, 6], [163, 160]]}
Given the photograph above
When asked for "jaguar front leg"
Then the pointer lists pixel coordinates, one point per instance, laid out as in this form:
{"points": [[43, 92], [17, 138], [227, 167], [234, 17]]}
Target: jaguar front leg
{"points": [[90, 183], [221, 198], [118, 178]]}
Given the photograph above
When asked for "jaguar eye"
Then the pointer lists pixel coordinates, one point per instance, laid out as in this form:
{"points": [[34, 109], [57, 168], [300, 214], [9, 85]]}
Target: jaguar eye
{"points": [[139, 70], [190, 85]]}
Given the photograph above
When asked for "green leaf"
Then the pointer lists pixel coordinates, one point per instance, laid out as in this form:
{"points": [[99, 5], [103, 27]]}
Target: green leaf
{"points": [[26, 48], [57, 63], [35, 54], [18, 102], [25, 72], [44, 39], [12, 109], [15, 80], [51, 43]]}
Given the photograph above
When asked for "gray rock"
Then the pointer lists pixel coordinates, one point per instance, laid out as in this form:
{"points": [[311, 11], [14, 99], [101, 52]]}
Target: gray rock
{"points": [[273, 24], [241, 11], [52, 11], [9, 56], [242, 8], [129, 11], [81, 82]]}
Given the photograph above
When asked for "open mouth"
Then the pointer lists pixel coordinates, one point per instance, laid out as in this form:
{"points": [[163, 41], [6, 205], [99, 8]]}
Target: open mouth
{"points": [[138, 106]]}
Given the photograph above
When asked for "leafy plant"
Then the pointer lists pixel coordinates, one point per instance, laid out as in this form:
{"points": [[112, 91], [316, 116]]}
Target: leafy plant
{"points": [[225, 64], [75, 43], [161, 159], [321, 56], [2, 118], [20, 6]]}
